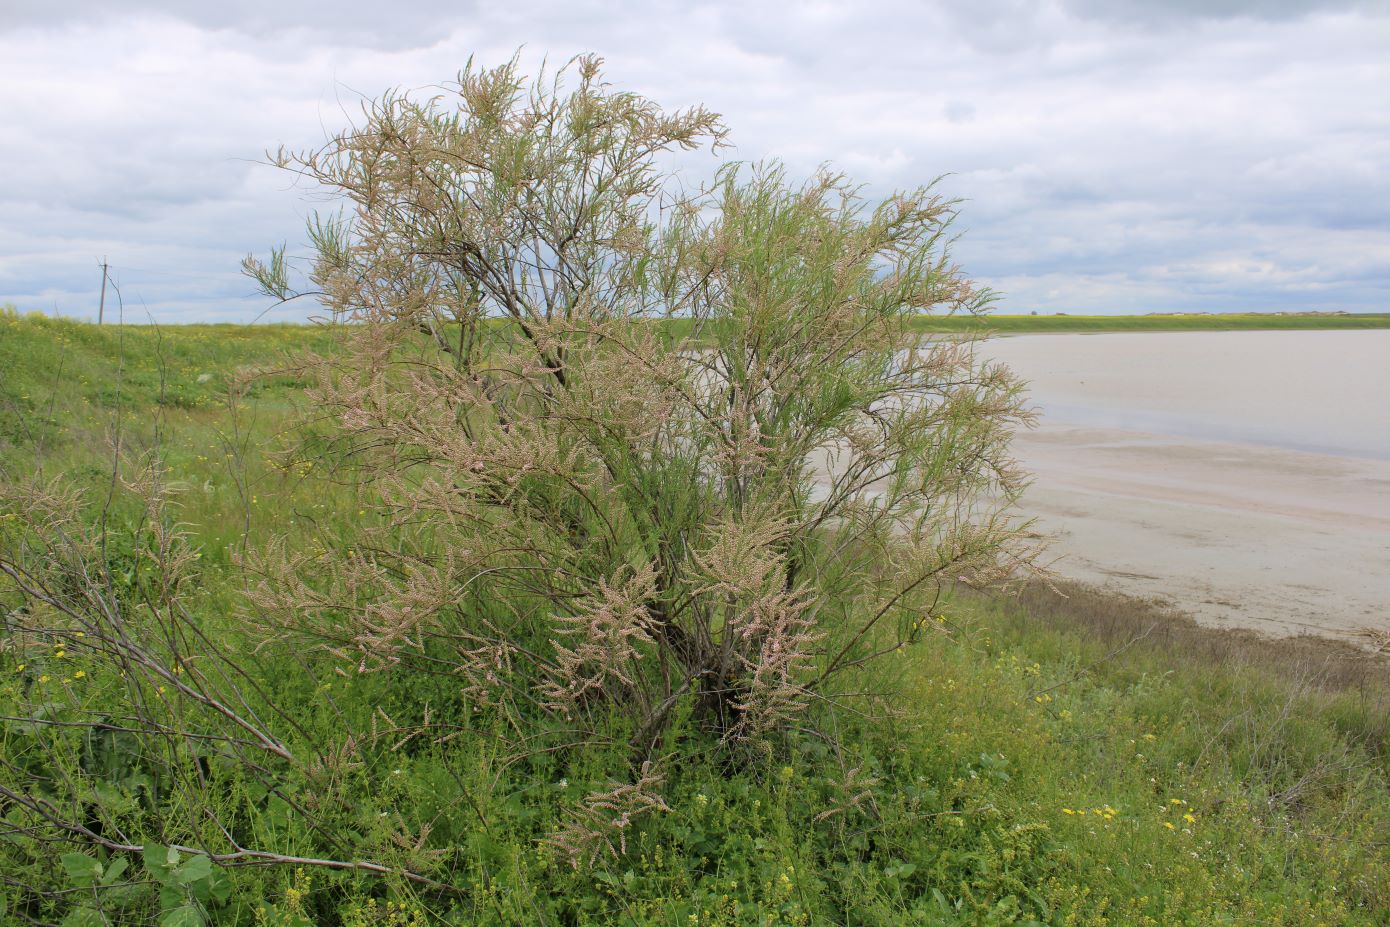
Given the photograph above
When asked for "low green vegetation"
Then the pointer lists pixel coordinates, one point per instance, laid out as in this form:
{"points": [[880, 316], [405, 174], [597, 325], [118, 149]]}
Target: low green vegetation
{"points": [[1006, 324], [1166, 322], [1027, 761]]}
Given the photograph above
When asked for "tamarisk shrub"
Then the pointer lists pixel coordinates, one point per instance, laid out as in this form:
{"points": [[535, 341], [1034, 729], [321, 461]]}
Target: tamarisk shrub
{"points": [[635, 454]]}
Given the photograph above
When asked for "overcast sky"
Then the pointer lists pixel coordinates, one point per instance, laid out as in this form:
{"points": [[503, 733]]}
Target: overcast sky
{"points": [[1114, 155]]}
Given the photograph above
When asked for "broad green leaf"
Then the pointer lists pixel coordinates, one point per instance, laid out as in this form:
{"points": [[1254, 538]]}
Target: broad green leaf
{"points": [[220, 887], [195, 869], [172, 895], [85, 917], [82, 870], [114, 870], [156, 860], [185, 916]]}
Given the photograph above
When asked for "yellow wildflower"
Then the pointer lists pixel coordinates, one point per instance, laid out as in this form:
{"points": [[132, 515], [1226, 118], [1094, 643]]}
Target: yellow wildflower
{"points": [[80, 674]]}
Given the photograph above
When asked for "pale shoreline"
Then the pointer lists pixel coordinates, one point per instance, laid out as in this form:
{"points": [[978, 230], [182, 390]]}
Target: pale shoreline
{"points": [[1236, 535]]}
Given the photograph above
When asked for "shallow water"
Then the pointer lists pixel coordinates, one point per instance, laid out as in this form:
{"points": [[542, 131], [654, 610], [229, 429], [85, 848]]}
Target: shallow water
{"points": [[1242, 477], [1321, 391]]}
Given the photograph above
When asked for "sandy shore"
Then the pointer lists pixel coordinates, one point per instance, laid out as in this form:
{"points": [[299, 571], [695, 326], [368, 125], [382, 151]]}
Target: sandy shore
{"points": [[1237, 535]]}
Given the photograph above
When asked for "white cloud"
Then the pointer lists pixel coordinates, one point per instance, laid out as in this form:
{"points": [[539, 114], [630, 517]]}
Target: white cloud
{"points": [[1224, 156]]}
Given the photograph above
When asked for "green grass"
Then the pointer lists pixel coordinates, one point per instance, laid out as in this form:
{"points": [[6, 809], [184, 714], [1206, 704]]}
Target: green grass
{"points": [[1176, 322], [1037, 761]]}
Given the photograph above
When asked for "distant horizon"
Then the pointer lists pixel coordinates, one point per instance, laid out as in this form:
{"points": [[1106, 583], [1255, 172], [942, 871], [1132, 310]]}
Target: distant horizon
{"points": [[314, 317]]}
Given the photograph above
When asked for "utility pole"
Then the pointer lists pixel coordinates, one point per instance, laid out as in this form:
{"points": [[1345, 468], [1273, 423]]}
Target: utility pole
{"points": [[101, 307]]}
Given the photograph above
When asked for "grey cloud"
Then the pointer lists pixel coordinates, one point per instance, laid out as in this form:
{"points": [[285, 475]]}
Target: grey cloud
{"points": [[1173, 11], [1231, 160]]}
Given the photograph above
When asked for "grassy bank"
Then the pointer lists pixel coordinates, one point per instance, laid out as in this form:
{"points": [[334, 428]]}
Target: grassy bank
{"points": [[257, 338], [1051, 760], [1176, 322]]}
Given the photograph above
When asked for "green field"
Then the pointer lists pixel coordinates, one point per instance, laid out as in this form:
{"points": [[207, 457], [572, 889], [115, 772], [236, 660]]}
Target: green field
{"points": [[1176, 322], [1037, 761], [997, 323]]}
